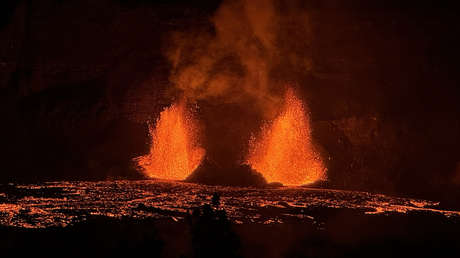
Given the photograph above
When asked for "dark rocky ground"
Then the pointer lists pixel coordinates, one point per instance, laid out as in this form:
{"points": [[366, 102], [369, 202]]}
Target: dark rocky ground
{"points": [[174, 219], [348, 234]]}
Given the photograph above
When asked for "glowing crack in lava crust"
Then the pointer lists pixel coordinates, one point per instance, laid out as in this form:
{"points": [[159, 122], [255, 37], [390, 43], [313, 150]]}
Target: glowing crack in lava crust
{"points": [[175, 150], [284, 151]]}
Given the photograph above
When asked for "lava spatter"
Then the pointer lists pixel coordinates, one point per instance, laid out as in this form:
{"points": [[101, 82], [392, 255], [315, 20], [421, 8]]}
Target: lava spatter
{"points": [[175, 151], [284, 152]]}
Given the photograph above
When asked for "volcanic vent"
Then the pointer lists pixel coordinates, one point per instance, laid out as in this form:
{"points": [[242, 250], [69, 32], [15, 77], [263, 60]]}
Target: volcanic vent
{"points": [[175, 151], [284, 151]]}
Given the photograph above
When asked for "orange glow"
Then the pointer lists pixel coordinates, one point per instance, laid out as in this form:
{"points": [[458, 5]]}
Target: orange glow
{"points": [[175, 151], [284, 152]]}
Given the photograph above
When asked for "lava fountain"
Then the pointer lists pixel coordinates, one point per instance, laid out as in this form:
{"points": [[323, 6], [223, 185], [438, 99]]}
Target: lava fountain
{"points": [[175, 151], [284, 151]]}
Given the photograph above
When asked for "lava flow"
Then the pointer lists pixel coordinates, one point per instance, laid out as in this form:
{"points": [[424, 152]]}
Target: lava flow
{"points": [[284, 151], [175, 150]]}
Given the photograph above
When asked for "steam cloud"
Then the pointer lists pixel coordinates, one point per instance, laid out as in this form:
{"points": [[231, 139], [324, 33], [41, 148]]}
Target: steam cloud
{"points": [[255, 46]]}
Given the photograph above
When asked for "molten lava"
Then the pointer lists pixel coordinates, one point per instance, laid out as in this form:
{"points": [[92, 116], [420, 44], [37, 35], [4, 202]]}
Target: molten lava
{"points": [[175, 150], [284, 151]]}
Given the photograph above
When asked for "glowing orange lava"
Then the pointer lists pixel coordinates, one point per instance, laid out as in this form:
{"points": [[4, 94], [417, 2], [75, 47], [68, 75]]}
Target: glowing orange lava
{"points": [[175, 151], [284, 151]]}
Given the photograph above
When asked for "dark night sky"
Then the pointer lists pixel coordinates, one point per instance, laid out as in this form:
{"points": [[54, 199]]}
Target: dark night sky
{"points": [[80, 78]]}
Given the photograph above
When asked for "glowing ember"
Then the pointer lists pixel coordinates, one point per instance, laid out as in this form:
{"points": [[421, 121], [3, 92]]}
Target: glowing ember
{"points": [[284, 151], [175, 151]]}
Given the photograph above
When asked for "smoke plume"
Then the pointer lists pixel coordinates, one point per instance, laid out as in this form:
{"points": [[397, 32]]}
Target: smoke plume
{"points": [[253, 47]]}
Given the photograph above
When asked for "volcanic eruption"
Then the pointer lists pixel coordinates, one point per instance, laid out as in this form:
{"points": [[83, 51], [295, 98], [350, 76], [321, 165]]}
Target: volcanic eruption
{"points": [[175, 151], [236, 73], [284, 151]]}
